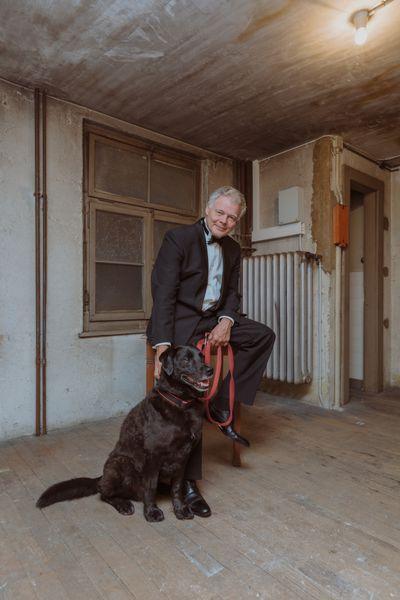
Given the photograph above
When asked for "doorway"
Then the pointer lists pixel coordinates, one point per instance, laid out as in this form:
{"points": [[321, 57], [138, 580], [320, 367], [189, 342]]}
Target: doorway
{"points": [[363, 290], [356, 291]]}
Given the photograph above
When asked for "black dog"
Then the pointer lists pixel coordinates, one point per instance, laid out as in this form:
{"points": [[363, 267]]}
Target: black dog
{"points": [[155, 442]]}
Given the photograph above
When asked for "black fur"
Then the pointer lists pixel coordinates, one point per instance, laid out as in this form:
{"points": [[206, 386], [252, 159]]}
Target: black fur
{"points": [[155, 442], [69, 490]]}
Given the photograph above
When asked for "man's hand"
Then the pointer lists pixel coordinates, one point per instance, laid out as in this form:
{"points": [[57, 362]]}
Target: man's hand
{"points": [[221, 333], [157, 363]]}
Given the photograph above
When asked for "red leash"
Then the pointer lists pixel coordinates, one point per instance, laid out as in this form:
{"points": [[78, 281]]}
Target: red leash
{"points": [[205, 348]]}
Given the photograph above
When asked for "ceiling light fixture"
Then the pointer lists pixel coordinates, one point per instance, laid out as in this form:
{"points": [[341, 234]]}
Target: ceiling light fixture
{"points": [[360, 20]]}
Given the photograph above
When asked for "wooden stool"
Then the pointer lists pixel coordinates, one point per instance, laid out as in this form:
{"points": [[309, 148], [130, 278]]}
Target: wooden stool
{"points": [[236, 448]]}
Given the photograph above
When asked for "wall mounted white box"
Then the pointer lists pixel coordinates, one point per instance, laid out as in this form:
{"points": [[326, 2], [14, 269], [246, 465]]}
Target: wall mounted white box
{"points": [[290, 205]]}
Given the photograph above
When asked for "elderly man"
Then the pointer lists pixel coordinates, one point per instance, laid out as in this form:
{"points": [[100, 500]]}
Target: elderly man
{"points": [[195, 284]]}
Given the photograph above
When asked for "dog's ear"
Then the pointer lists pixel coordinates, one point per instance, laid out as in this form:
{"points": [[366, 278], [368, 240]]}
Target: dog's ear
{"points": [[167, 361]]}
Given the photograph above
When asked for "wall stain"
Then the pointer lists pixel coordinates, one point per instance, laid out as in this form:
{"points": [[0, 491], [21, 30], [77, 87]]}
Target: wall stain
{"points": [[257, 24]]}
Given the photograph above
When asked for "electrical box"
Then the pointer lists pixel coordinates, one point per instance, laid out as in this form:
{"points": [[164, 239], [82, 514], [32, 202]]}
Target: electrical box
{"points": [[290, 205], [341, 225]]}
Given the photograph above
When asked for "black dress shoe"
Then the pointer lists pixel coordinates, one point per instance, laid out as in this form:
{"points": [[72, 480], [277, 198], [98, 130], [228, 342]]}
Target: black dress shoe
{"points": [[222, 416], [194, 499], [234, 435]]}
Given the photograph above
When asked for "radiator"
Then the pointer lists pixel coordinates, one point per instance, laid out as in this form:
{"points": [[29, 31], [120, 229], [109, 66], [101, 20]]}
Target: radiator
{"points": [[277, 290]]}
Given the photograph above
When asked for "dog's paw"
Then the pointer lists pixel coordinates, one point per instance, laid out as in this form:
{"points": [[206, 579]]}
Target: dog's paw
{"points": [[183, 512], [125, 507], [153, 514]]}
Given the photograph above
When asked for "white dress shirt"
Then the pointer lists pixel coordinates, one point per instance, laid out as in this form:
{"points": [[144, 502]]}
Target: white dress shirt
{"points": [[215, 272]]}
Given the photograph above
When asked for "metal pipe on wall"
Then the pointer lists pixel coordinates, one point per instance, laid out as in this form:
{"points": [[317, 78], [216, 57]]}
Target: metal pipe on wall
{"points": [[296, 318], [40, 110], [275, 316], [38, 277], [44, 261], [303, 318], [270, 307], [282, 316], [289, 318], [310, 298]]}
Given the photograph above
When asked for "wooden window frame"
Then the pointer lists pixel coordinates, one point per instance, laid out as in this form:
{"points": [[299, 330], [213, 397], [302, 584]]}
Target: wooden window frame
{"points": [[125, 322], [122, 315], [153, 152]]}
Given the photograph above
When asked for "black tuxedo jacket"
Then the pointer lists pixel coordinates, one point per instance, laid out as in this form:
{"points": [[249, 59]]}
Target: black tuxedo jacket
{"points": [[179, 281]]}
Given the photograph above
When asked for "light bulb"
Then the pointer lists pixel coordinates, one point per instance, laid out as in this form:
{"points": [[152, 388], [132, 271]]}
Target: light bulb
{"points": [[360, 20], [360, 36]]}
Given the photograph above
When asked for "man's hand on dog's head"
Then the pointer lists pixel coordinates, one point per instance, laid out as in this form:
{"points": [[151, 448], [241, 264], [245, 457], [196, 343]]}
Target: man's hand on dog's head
{"points": [[157, 363], [221, 334]]}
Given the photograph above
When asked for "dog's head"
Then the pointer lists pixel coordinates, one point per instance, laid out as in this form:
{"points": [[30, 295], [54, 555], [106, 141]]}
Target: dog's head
{"points": [[184, 365]]}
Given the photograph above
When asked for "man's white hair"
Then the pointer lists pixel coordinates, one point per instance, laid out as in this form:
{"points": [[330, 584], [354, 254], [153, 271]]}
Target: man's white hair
{"points": [[231, 193]]}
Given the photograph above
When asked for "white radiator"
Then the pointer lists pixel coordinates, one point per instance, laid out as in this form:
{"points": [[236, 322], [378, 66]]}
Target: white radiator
{"points": [[278, 291]]}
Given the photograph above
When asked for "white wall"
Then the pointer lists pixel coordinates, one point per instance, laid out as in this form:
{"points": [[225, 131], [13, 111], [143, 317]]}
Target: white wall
{"points": [[90, 378], [17, 263]]}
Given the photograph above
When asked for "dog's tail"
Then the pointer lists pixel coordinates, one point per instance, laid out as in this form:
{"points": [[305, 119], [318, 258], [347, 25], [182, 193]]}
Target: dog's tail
{"points": [[80, 487]]}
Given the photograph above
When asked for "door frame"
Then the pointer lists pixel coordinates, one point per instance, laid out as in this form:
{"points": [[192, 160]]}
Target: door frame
{"points": [[373, 190]]}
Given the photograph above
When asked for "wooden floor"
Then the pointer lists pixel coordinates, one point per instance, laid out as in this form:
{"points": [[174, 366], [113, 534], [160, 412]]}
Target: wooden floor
{"points": [[313, 514]]}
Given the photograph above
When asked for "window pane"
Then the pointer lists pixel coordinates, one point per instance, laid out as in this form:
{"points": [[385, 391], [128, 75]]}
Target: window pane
{"points": [[118, 287], [120, 171], [173, 186], [119, 237], [160, 229]]}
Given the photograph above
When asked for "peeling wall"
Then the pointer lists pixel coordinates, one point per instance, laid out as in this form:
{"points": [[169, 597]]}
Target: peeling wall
{"points": [[309, 167], [91, 378], [312, 167], [323, 201]]}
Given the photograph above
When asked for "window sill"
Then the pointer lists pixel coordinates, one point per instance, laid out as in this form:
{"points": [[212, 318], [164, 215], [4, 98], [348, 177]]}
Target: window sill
{"points": [[279, 231], [92, 334]]}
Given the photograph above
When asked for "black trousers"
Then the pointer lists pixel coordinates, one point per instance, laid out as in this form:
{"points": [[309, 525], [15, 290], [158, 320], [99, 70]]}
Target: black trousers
{"points": [[252, 344]]}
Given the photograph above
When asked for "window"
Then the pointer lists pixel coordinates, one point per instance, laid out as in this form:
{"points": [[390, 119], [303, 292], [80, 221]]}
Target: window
{"points": [[134, 193]]}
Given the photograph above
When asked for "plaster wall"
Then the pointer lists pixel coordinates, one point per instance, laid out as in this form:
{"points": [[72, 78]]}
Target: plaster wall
{"points": [[87, 378], [289, 169], [309, 167], [17, 263]]}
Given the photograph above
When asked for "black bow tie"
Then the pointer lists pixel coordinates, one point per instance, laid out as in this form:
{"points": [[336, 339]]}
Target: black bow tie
{"points": [[215, 240], [212, 240]]}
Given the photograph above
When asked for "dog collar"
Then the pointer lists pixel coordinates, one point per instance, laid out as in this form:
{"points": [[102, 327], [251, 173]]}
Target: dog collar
{"points": [[175, 400]]}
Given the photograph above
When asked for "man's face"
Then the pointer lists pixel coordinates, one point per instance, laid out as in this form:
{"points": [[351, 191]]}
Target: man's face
{"points": [[222, 218]]}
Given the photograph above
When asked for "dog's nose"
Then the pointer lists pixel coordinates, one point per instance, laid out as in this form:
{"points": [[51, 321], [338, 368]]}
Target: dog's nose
{"points": [[209, 371]]}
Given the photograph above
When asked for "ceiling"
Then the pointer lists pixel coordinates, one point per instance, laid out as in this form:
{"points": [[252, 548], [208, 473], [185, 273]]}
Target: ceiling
{"points": [[244, 78]]}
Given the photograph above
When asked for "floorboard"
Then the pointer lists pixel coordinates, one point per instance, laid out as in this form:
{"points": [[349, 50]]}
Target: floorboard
{"points": [[313, 514]]}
